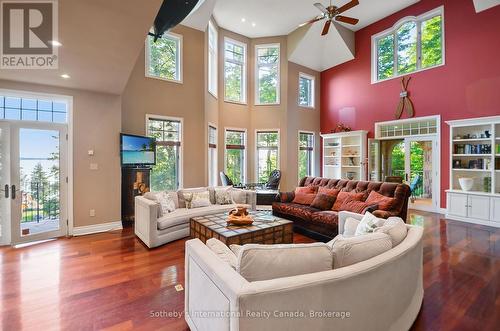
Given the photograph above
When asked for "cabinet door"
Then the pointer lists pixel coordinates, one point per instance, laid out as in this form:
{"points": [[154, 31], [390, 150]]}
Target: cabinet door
{"points": [[457, 204], [479, 207], [495, 209]]}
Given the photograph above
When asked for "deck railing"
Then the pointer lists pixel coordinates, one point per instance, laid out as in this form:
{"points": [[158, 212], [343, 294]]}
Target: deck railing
{"points": [[40, 201]]}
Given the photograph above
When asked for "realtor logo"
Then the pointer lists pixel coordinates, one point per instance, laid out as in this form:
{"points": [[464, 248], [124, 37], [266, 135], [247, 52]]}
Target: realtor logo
{"points": [[28, 29]]}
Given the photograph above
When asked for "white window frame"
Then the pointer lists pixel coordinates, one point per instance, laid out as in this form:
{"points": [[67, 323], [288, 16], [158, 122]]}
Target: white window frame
{"points": [[178, 61], [181, 135], [244, 67], [245, 153], [313, 91], [393, 30], [257, 67], [216, 170], [256, 161], [313, 161], [212, 59]]}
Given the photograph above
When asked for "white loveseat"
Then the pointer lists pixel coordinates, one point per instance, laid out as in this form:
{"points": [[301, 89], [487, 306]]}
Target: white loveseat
{"points": [[155, 231], [382, 293]]}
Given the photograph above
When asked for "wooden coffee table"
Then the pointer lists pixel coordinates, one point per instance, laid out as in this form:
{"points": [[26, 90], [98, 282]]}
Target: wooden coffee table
{"points": [[266, 229]]}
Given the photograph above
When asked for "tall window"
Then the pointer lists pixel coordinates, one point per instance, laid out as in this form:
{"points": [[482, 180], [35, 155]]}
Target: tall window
{"points": [[212, 59], [235, 155], [267, 74], [414, 44], [267, 154], [212, 156], [234, 71], [164, 57], [26, 109], [306, 90], [166, 174], [306, 154]]}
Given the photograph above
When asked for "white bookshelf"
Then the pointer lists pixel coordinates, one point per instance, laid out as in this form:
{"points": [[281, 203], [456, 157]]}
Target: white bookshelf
{"points": [[344, 155], [475, 153]]}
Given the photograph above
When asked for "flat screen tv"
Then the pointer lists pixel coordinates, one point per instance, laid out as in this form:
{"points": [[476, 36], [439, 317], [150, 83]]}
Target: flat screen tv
{"points": [[137, 151]]}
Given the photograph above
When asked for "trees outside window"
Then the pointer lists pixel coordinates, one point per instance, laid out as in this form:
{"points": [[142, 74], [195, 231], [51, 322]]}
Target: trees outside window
{"points": [[234, 71], [212, 59], [306, 154], [412, 45], [163, 57], [306, 90], [165, 175], [212, 155], [267, 74], [235, 155], [267, 154]]}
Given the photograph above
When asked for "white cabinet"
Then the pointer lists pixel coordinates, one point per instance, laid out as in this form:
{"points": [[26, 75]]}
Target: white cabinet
{"points": [[495, 210], [473, 207], [457, 204], [479, 207]]}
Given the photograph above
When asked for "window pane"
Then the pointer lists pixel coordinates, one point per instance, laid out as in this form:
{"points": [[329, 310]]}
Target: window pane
{"points": [[268, 71], [235, 138], [12, 114], [431, 42], [212, 59], [29, 115], [385, 60], [234, 165], [165, 174], [212, 135], [267, 154], [306, 91], [163, 57], [233, 79], [407, 47], [29, 104], [267, 139], [12, 102], [306, 152]]}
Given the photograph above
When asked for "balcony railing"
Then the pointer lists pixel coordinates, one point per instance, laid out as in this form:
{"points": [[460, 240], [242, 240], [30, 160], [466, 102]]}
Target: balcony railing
{"points": [[40, 201]]}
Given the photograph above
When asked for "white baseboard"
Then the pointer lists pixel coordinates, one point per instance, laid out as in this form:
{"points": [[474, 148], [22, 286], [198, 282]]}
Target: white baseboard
{"points": [[442, 211], [97, 228]]}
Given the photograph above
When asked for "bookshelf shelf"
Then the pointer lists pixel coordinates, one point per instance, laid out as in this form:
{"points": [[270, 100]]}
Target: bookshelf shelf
{"points": [[354, 140]]}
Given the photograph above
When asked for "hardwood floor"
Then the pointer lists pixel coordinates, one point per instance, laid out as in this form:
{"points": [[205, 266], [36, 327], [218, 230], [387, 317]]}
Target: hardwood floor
{"points": [[111, 281]]}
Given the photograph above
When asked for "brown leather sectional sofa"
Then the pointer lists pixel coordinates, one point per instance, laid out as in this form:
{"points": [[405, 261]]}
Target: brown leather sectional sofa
{"points": [[322, 224]]}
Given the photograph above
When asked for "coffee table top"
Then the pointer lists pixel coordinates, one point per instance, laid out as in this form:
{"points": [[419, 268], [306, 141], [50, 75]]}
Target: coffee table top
{"points": [[262, 220]]}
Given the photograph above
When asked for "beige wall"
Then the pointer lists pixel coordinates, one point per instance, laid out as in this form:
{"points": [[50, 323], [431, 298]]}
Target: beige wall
{"points": [[96, 126]]}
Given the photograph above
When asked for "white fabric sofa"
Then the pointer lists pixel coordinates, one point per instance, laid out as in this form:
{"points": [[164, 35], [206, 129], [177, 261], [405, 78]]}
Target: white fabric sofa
{"points": [[382, 293], [155, 231]]}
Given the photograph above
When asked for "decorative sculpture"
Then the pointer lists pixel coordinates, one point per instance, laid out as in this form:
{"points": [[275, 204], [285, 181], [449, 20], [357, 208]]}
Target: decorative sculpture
{"points": [[341, 128], [405, 102]]}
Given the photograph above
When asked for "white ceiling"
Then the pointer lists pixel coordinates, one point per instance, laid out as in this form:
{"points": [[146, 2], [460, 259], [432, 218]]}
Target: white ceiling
{"points": [[481, 5], [281, 17]]}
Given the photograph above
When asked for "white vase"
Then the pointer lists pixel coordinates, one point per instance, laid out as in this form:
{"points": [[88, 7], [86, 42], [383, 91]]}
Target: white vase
{"points": [[466, 183]]}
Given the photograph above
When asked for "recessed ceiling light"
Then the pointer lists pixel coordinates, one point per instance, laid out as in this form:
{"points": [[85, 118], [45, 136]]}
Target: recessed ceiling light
{"points": [[243, 19], [65, 76], [55, 43], [253, 24]]}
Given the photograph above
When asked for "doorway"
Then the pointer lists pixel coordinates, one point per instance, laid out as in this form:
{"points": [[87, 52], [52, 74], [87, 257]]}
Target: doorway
{"points": [[34, 190]]}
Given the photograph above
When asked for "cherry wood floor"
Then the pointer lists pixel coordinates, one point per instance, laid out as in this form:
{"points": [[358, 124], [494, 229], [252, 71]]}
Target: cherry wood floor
{"points": [[111, 281]]}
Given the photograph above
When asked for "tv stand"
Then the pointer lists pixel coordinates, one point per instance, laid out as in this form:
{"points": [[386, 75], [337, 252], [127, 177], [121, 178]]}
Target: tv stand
{"points": [[135, 181]]}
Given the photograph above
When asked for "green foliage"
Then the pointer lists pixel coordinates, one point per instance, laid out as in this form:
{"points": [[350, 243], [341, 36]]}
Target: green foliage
{"points": [[416, 162], [268, 63], [163, 57], [431, 42], [306, 144], [165, 174], [235, 165], [267, 153], [407, 48], [385, 57], [233, 74], [305, 91]]}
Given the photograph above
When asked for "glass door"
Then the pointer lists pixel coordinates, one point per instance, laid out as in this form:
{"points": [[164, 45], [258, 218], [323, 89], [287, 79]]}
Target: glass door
{"points": [[5, 201], [37, 186]]}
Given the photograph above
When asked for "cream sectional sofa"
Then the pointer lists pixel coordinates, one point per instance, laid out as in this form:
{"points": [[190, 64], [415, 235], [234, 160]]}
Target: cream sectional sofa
{"points": [[383, 293], [155, 231]]}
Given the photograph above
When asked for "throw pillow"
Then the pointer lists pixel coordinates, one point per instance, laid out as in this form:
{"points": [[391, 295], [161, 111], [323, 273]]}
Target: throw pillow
{"points": [[329, 191], [166, 202], [305, 195], [342, 196], [200, 199], [368, 224], [384, 203], [222, 251], [350, 226], [350, 250], [323, 201], [188, 197], [396, 228], [223, 196], [358, 207], [262, 262]]}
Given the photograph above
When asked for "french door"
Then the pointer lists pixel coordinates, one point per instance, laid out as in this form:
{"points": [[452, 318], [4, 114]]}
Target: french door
{"points": [[33, 181]]}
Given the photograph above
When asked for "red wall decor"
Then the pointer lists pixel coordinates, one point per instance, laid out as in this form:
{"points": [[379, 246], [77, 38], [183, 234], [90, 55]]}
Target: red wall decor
{"points": [[467, 86]]}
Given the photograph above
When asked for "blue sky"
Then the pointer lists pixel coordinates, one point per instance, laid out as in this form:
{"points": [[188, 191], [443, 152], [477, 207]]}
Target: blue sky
{"points": [[36, 146], [134, 143]]}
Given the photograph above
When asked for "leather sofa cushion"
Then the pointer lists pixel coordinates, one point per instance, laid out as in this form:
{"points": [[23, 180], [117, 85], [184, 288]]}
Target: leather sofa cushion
{"points": [[343, 196], [358, 207], [302, 211], [323, 201], [325, 217]]}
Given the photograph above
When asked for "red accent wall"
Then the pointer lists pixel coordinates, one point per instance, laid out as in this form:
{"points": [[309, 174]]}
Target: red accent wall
{"points": [[467, 86]]}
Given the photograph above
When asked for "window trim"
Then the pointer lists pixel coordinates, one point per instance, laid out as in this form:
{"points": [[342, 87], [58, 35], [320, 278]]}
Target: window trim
{"points": [[392, 30], [245, 153], [256, 75], [244, 78], [256, 158], [210, 124], [313, 91], [181, 135], [211, 27], [313, 160], [179, 61]]}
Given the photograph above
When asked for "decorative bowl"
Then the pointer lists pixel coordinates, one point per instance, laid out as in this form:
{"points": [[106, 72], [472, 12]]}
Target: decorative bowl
{"points": [[466, 183]]}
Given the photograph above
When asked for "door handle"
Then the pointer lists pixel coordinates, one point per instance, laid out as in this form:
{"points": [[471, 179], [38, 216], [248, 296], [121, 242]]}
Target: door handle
{"points": [[13, 192], [6, 191]]}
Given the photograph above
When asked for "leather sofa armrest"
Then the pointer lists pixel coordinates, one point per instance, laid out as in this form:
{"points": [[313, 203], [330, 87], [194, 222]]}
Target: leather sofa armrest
{"points": [[285, 197], [385, 213]]}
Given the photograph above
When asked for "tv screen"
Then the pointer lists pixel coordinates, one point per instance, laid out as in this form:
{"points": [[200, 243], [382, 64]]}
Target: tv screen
{"points": [[137, 151]]}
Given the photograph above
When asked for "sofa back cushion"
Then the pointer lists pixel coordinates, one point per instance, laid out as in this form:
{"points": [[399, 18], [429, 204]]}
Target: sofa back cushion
{"points": [[395, 228], [323, 201], [383, 202], [181, 196], [350, 250], [262, 262], [346, 196], [305, 195]]}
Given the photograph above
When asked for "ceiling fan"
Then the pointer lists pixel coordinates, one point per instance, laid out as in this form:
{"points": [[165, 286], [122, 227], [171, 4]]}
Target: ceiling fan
{"points": [[331, 13]]}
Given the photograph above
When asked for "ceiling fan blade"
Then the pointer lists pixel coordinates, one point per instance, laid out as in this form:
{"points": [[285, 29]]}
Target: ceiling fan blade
{"points": [[345, 19], [326, 27], [348, 6], [319, 18], [321, 8]]}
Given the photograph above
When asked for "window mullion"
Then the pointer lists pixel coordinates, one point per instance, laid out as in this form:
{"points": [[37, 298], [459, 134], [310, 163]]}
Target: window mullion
{"points": [[419, 44], [395, 47]]}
